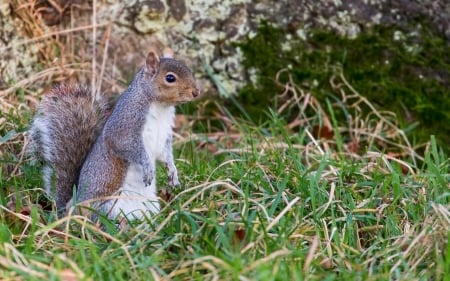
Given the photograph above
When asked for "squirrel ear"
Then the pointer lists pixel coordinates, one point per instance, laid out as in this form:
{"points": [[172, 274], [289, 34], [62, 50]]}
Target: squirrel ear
{"points": [[168, 53], [152, 62]]}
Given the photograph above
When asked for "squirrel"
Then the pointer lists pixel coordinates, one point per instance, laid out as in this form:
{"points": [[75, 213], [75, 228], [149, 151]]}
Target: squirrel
{"points": [[110, 155]]}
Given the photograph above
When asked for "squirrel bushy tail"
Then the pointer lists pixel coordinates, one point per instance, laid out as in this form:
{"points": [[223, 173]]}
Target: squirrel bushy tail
{"points": [[68, 121]]}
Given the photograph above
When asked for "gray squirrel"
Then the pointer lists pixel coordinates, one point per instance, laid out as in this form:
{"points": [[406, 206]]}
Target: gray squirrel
{"points": [[111, 156]]}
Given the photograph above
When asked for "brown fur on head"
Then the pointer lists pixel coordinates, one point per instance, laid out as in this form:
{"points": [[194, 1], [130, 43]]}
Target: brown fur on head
{"points": [[172, 77]]}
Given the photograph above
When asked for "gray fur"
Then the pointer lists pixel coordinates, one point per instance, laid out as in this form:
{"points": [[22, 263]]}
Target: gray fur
{"points": [[68, 122], [121, 143], [68, 135]]}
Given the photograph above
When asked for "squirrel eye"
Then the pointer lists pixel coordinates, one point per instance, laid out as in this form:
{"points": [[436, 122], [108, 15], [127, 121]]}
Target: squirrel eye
{"points": [[170, 78]]}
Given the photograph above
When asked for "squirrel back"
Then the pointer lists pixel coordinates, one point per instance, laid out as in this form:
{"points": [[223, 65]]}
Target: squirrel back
{"points": [[68, 121]]}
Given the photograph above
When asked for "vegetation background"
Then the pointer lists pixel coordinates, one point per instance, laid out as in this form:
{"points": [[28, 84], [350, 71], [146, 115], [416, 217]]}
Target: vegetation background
{"points": [[327, 159]]}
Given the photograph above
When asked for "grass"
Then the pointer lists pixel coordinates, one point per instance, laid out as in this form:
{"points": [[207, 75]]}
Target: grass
{"points": [[396, 68], [268, 202], [309, 197]]}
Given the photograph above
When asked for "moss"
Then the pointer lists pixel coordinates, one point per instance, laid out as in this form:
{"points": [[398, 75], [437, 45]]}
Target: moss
{"points": [[408, 74]]}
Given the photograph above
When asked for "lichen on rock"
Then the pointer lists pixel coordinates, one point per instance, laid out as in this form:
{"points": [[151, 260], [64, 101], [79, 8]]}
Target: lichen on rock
{"points": [[203, 31]]}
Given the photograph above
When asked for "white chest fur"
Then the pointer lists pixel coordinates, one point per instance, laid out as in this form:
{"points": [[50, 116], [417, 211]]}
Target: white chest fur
{"points": [[136, 199], [157, 129]]}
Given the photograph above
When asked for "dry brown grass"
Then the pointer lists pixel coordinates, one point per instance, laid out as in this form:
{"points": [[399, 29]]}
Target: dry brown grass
{"points": [[66, 50]]}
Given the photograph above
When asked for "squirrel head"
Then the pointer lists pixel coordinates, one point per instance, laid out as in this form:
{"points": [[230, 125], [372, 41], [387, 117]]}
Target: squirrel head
{"points": [[173, 82]]}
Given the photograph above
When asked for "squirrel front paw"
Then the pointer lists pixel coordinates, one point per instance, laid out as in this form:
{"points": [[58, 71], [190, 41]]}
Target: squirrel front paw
{"points": [[148, 179], [149, 175], [173, 178]]}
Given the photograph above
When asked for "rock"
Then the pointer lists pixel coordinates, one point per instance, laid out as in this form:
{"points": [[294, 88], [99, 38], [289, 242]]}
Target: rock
{"points": [[200, 31]]}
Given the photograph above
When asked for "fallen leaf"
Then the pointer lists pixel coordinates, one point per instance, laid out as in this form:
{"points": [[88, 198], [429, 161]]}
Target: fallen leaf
{"points": [[69, 275], [323, 132], [239, 235], [238, 231], [353, 146]]}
